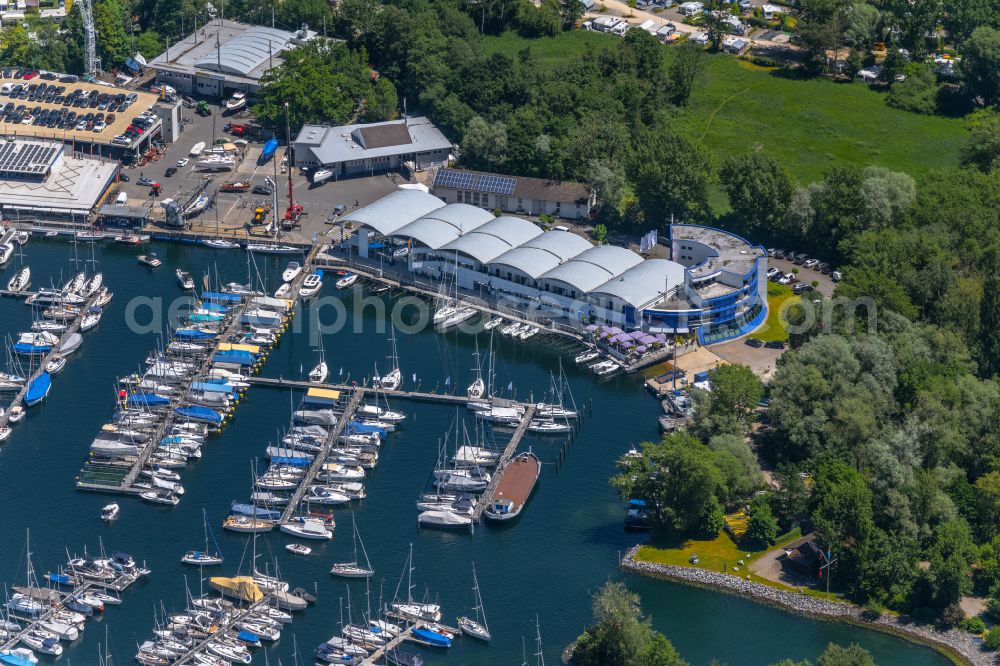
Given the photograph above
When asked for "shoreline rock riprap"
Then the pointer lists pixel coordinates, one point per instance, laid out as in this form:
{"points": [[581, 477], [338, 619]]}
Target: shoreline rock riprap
{"points": [[955, 641]]}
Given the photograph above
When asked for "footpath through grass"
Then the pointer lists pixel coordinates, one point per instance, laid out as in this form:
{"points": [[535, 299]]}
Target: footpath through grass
{"points": [[808, 125]]}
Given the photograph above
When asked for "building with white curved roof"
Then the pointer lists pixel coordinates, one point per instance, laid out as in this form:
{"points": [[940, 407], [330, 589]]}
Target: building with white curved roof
{"points": [[713, 285], [222, 57]]}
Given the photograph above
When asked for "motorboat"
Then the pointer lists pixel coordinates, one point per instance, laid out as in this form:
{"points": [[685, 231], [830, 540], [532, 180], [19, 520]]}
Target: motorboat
{"points": [[161, 497], [273, 248], [605, 368], [18, 657], [444, 520], [5, 432], [129, 239], [216, 163], [283, 291], [55, 364], [236, 102], [548, 427], [311, 285], [347, 281], [91, 319], [15, 414], [492, 323], [321, 176], [292, 271], [185, 280], [6, 252], [308, 528], [20, 281], [150, 260], [529, 332], [197, 148], [110, 511], [298, 549], [586, 356]]}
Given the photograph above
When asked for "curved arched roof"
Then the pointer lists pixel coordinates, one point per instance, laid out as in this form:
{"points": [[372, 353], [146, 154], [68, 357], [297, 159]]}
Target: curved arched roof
{"points": [[443, 225], [246, 52], [644, 282], [544, 252], [592, 268], [394, 211], [489, 241]]}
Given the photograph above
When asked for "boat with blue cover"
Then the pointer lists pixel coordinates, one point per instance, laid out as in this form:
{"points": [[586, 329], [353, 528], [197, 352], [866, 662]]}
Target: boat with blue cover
{"points": [[254, 511], [16, 658], [148, 400], [38, 389], [431, 638], [200, 414]]}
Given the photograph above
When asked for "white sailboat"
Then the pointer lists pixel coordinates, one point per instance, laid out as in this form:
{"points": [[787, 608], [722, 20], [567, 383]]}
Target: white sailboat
{"points": [[354, 569], [476, 628], [393, 379], [204, 558], [478, 387], [410, 609], [319, 374], [20, 281]]}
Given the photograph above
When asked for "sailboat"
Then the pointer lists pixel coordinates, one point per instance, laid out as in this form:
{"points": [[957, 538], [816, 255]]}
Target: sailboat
{"points": [[319, 374], [20, 281], [410, 609], [218, 242], [354, 569], [392, 380], [476, 628], [204, 558], [478, 387]]}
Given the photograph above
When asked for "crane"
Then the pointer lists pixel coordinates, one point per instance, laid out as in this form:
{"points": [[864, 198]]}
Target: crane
{"points": [[89, 37]]}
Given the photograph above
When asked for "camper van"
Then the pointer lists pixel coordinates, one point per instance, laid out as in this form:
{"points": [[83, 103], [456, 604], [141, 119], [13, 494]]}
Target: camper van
{"points": [[122, 199]]}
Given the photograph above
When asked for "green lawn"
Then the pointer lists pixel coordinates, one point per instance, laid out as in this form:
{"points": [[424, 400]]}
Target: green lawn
{"points": [[773, 330], [808, 125]]}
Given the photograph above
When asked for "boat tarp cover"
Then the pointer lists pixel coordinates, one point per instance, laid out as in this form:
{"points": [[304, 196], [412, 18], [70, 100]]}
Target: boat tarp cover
{"points": [[220, 297], [254, 511], [294, 461], [214, 307], [148, 399], [15, 660], [241, 587], [38, 389], [248, 636], [318, 396], [193, 334], [212, 387], [355, 427], [271, 303], [239, 357], [431, 637], [199, 413], [230, 346]]}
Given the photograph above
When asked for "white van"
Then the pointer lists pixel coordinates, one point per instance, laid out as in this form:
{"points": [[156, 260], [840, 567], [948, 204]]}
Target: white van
{"points": [[122, 199], [6, 88]]}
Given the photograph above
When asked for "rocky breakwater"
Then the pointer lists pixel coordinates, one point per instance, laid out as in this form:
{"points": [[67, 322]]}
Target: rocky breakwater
{"points": [[955, 642]]}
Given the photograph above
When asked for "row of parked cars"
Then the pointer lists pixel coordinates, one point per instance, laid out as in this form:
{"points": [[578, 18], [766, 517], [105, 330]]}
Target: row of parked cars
{"points": [[803, 259], [55, 118], [138, 126]]}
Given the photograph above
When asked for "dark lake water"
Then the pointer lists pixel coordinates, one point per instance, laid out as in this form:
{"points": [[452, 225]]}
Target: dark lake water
{"points": [[548, 563]]}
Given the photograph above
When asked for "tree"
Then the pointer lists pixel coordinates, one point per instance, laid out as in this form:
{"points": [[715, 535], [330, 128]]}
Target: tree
{"points": [[884, 197], [759, 191], [981, 64], [149, 44], [314, 13], [325, 79], [963, 17], [687, 68], [821, 28], [982, 148], [381, 102], [989, 325], [917, 93], [716, 27], [678, 478], [988, 500], [113, 21], [853, 655], [600, 233], [761, 528], [842, 516], [484, 144], [620, 634], [672, 175], [728, 406]]}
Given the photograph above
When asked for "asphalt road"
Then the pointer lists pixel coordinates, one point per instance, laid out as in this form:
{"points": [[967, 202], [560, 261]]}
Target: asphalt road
{"points": [[235, 210]]}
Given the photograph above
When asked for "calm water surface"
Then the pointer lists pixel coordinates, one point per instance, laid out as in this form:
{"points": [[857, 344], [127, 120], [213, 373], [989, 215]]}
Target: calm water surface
{"points": [[549, 562]]}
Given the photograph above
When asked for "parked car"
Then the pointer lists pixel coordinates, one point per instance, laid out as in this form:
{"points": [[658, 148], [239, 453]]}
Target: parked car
{"points": [[261, 189], [787, 278], [183, 162], [754, 342], [823, 268], [801, 288], [123, 177], [810, 263], [836, 276], [772, 271], [339, 209], [170, 172], [800, 259]]}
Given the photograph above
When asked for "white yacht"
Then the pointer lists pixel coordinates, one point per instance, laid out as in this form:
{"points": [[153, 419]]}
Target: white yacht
{"points": [[308, 528]]}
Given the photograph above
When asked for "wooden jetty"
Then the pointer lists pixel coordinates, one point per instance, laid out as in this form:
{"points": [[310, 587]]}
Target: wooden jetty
{"points": [[202, 645], [405, 635], [74, 327], [324, 452], [406, 395], [508, 453]]}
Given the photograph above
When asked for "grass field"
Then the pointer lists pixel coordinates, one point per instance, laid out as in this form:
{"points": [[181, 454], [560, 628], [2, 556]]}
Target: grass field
{"points": [[773, 330], [807, 125]]}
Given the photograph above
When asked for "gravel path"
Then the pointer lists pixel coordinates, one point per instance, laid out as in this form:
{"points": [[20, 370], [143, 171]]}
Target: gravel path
{"points": [[956, 641]]}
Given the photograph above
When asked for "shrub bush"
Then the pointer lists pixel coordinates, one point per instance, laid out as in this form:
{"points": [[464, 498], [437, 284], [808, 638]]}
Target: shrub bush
{"points": [[992, 641], [973, 625]]}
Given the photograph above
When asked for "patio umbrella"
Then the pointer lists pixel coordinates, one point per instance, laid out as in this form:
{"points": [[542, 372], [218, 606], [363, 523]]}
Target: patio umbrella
{"points": [[591, 328], [628, 345], [614, 330], [640, 348], [646, 340]]}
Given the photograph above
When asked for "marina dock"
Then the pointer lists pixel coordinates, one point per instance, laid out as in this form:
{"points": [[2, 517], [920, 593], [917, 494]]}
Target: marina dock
{"points": [[508, 453], [404, 395], [74, 327], [406, 635], [324, 452], [201, 646]]}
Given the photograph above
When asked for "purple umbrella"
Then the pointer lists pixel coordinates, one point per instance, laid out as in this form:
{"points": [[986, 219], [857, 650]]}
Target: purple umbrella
{"points": [[614, 330], [640, 348], [646, 340], [591, 328]]}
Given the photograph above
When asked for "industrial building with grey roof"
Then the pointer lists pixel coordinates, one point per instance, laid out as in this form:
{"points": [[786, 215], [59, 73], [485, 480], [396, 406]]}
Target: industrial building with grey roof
{"points": [[714, 280], [222, 57]]}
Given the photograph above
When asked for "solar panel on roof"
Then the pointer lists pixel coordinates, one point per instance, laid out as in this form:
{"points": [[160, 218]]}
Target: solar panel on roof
{"points": [[458, 180], [26, 158], [495, 184]]}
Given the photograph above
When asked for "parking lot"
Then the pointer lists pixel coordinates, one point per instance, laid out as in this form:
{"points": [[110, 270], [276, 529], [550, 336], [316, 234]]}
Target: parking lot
{"points": [[51, 109], [235, 210]]}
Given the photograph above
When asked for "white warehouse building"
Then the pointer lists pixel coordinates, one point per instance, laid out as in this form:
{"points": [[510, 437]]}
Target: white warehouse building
{"points": [[714, 282]]}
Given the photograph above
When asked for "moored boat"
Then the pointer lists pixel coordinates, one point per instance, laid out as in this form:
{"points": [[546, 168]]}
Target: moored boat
{"points": [[517, 481]]}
